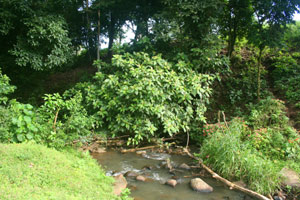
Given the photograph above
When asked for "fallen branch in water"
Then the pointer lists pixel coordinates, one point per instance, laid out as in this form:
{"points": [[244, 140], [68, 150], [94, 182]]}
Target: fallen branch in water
{"points": [[223, 180], [144, 148], [138, 149]]}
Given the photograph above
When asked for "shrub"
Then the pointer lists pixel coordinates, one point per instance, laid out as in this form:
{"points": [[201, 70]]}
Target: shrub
{"points": [[5, 88], [146, 96], [286, 77], [30, 171]]}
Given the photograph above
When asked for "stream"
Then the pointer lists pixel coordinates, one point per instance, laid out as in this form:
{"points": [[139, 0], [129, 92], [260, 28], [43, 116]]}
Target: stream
{"points": [[150, 165]]}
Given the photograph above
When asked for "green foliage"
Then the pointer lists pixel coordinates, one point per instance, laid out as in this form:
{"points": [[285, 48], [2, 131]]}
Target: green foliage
{"points": [[286, 76], [273, 136], [67, 118], [254, 150], [24, 125], [59, 121], [30, 171], [5, 88], [227, 153], [147, 96], [268, 113], [46, 44]]}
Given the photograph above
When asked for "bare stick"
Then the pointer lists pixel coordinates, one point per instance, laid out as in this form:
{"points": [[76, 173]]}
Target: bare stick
{"points": [[188, 139], [55, 120], [224, 118], [223, 180]]}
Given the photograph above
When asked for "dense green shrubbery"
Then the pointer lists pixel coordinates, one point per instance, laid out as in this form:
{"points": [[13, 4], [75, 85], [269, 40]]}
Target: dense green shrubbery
{"points": [[286, 76], [58, 121], [254, 150], [30, 171], [146, 96]]}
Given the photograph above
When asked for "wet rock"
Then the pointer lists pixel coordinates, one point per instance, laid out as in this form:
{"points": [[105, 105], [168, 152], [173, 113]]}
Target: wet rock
{"points": [[140, 178], [120, 184], [278, 198], [171, 182], [291, 178], [147, 167], [184, 166], [132, 187], [131, 174], [200, 186]]}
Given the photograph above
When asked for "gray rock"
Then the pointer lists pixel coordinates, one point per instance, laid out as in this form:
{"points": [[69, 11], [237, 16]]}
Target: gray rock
{"points": [[290, 178], [120, 184], [171, 182], [200, 186], [184, 166], [140, 178], [131, 174]]}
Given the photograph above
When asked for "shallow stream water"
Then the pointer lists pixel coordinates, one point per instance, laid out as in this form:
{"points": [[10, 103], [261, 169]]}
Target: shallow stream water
{"points": [[115, 163]]}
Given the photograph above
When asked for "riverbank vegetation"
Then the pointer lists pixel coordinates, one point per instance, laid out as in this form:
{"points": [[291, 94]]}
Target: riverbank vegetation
{"points": [[222, 75], [31, 171]]}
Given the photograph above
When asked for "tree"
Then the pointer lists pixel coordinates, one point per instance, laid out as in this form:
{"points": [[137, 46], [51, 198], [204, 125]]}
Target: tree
{"points": [[33, 35], [236, 17], [269, 20]]}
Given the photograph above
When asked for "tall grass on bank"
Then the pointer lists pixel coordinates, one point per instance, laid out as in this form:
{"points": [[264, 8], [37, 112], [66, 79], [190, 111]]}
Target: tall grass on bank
{"points": [[227, 153]]}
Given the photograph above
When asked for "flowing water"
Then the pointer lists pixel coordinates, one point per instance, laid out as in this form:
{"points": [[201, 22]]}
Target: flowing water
{"points": [[150, 165]]}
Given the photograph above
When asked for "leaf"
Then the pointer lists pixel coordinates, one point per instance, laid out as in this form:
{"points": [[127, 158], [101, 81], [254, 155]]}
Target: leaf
{"points": [[20, 137], [29, 136], [27, 119]]}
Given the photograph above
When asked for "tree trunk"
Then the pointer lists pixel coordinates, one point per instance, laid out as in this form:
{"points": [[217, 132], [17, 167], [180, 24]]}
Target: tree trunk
{"points": [[98, 37], [259, 72], [111, 35], [88, 26]]}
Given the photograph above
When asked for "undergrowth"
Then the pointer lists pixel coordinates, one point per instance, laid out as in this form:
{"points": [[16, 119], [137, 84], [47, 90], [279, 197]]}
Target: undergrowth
{"points": [[255, 150]]}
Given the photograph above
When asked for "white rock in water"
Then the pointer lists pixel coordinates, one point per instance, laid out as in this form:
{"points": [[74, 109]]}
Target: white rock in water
{"points": [[199, 185], [171, 182]]}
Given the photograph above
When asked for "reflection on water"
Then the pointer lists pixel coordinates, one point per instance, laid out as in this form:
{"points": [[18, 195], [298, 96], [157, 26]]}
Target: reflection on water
{"points": [[114, 163]]}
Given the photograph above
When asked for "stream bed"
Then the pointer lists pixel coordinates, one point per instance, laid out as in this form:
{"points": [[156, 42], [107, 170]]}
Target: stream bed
{"points": [[151, 166]]}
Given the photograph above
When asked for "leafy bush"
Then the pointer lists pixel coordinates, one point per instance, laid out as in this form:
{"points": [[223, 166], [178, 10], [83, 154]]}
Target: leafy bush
{"points": [[287, 78], [30, 171], [146, 96], [272, 135], [5, 88], [66, 118], [57, 122], [268, 112]]}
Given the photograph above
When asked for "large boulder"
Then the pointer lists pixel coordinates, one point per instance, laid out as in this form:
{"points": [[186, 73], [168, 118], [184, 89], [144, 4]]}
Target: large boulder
{"points": [[290, 178], [120, 184], [200, 186]]}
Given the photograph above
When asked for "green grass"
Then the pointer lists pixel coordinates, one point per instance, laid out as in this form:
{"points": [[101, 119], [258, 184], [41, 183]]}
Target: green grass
{"points": [[31, 171]]}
